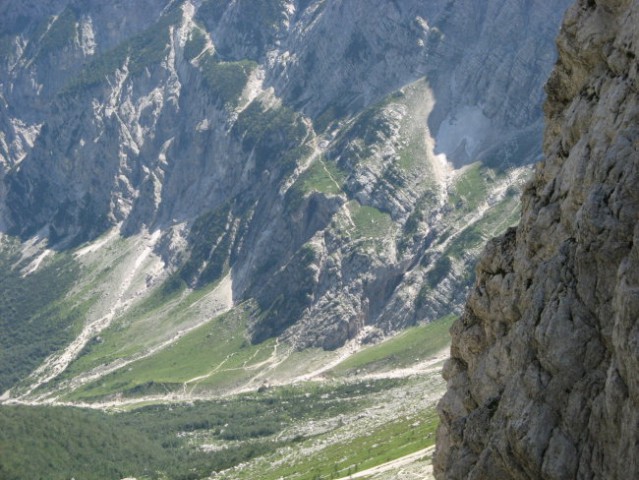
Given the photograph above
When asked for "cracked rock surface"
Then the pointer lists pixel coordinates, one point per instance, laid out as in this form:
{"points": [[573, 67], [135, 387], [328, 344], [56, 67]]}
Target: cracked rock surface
{"points": [[343, 159], [543, 382]]}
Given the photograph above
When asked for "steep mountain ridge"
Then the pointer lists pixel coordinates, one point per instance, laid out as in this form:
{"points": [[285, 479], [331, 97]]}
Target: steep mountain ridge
{"points": [[328, 160], [542, 383]]}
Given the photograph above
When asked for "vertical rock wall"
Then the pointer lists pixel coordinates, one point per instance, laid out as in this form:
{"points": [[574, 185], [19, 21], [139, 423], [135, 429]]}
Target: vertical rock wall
{"points": [[543, 382]]}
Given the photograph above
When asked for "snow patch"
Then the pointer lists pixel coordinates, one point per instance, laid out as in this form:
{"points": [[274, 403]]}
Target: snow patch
{"points": [[158, 184], [461, 134]]}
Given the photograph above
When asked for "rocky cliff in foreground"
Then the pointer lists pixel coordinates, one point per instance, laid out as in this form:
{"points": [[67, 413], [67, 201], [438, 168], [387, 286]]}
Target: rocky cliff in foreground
{"points": [[543, 381]]}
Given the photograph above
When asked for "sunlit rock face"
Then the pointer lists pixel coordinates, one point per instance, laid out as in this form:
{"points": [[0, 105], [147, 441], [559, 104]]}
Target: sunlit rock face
{"points": [[543, 380], [345, 159]]}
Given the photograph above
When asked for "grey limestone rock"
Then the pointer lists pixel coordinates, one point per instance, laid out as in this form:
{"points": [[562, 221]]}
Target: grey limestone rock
{"points": [[292, 142], [543, 382]]}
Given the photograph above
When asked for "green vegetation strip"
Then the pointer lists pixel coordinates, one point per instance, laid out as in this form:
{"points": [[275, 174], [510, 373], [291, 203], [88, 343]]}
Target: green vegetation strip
{"points": [[369, 221], [226, 80], [59, 443], [470, 189], [504, 214], [167, 441], [59, 34], [35, 320], [218, 352], [322, 176], [382, 444], [143, 50], [407, 348]]}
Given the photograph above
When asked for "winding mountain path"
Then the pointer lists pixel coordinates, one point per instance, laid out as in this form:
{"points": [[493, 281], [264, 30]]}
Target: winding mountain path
{"points": [[392, 465]]}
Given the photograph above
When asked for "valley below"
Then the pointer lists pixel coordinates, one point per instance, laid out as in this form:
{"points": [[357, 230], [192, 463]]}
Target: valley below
{"points": [[354, 413]]}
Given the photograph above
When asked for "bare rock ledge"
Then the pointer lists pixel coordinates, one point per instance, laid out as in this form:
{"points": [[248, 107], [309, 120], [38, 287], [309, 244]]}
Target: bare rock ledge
{"points": [[543, 382]]}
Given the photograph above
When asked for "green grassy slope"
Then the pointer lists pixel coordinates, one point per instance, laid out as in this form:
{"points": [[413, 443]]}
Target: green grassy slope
{"points": [[407, 348], [218, 353], [189, 441], [60, 443], [34, 319]]}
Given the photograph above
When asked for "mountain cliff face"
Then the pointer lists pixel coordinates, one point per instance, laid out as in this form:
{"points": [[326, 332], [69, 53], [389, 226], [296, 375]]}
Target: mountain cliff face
{"points": [[543, 380], [335, 164]]}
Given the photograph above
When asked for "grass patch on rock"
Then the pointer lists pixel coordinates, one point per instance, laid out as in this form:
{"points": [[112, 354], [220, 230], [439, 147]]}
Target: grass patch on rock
{"points": [[369, 221], [405, 349]]}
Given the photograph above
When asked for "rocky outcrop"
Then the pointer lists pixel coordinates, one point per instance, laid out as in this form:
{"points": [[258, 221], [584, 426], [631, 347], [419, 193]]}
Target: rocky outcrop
{"points": [[294, 142], [543, 382]]}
